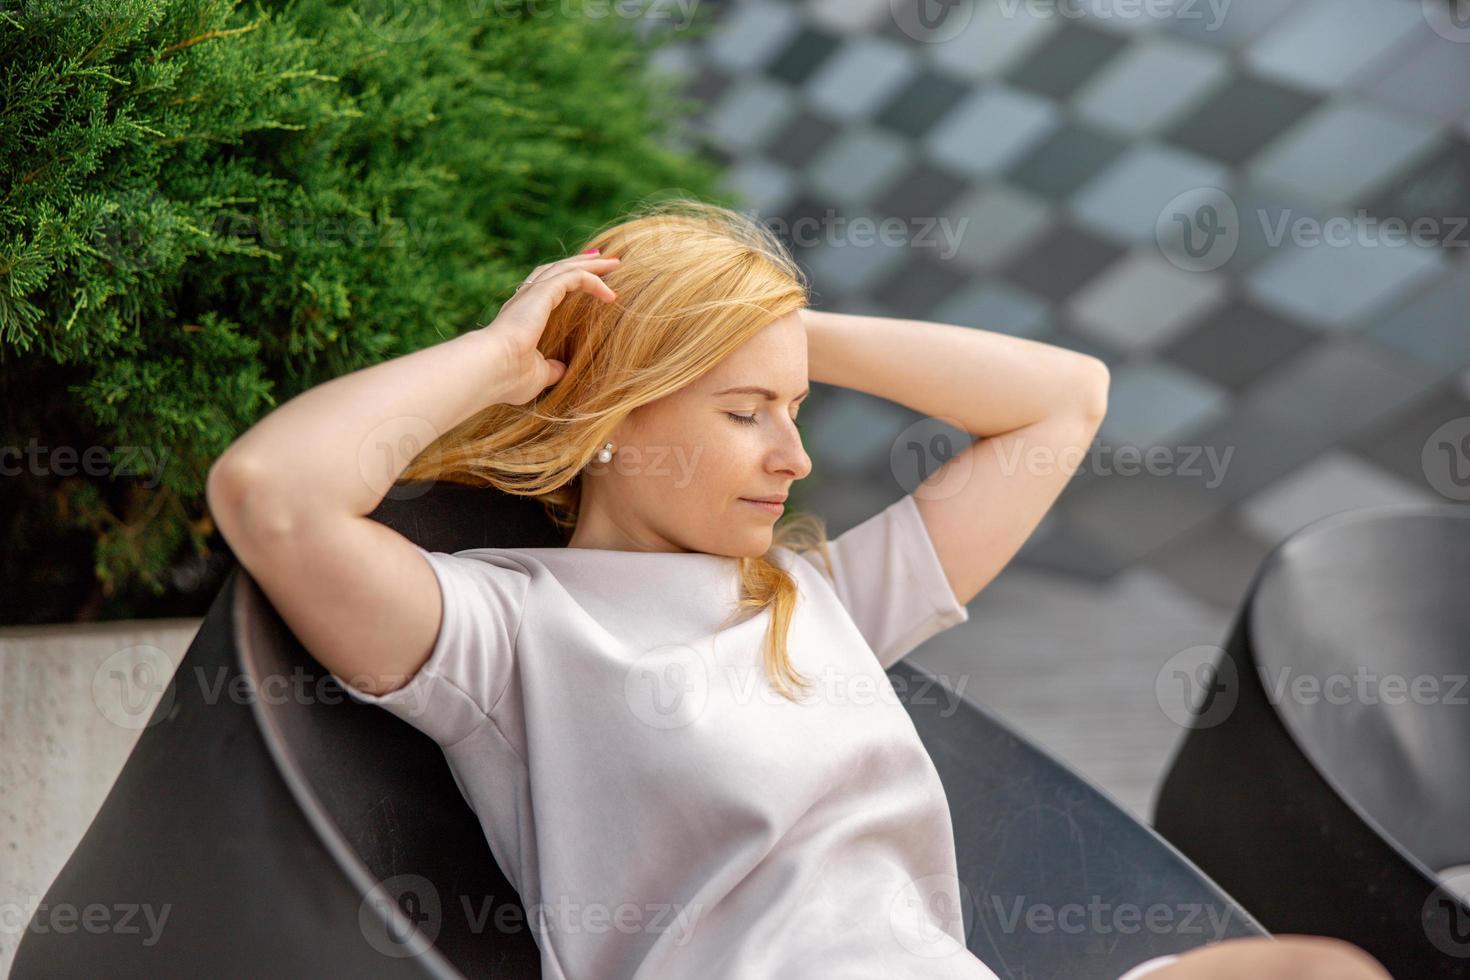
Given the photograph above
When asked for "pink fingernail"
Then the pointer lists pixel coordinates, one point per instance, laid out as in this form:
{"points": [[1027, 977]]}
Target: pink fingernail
{"points": [[591, 250]]}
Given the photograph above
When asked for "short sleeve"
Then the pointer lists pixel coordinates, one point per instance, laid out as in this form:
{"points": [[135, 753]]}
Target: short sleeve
{"points": [[469, 668], [888, 577], [1148, 966]]}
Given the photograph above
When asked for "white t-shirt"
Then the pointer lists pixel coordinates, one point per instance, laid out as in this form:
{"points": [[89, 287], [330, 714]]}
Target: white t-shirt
{"points": [[660, 808]]}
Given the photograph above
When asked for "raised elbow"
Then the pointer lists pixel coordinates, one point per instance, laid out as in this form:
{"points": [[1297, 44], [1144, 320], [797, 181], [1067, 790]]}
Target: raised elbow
{"points": [[1093, 388], [242, 503]]}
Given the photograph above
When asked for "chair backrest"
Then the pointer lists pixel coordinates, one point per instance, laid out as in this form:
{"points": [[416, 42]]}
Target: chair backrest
{"points": [[1322, 798], [1361, 628], [305, 834]]}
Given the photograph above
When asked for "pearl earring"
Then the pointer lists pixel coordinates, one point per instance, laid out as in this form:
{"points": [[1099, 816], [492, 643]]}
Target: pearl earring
{"points": [[605, 454]]}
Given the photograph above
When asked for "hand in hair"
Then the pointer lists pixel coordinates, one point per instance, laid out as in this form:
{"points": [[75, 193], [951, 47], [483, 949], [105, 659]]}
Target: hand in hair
{"points": [[522, 319]]}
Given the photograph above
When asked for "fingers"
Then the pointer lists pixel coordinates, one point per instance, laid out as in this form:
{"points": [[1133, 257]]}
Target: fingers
{"points": [[558, 285], [569, 262]]}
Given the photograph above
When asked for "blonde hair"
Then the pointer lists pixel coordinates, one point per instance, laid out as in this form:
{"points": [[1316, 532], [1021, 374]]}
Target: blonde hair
{"points": [[698, 280]]}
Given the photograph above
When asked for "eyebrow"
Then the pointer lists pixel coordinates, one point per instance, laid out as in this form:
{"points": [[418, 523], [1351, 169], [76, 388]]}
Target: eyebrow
{"points": [[766, 393]]}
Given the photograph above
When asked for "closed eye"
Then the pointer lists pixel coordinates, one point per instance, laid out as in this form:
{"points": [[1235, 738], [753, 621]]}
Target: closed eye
{"points": [[742, 419]]}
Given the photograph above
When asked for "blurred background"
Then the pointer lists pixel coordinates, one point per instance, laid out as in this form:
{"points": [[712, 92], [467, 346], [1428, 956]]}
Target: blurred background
{"points": [[1255, 212], [1306, 350]]}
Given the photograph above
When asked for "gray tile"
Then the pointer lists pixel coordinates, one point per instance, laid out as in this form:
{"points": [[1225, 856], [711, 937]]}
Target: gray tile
{"points": [[1239, 454], [1237, 344], [801, 56], [1323, 44], [1241, 117], [1397, 442], [1215, 560], [1132, 515], [994, 42], [1333, 483], [1434, 326], [1061, 260], [858, 164], [1000, 220], [923, 192], [847, 16], [1126, 199], [995, 305], [802, 138], [1431, 200], [1232, 27], [1309, 388], [1149, 85], [1142, 301], [839, 265], [708, 84], [1432, 79], [1152, 403], [751, 33], [860, 77], [1343, 152], [921, 103], [1059, 546], [854, 429], [750, 112], [1340, 287], [1058, 67], [1070, 156], [991, 129], [918, 286], [762, 185]]}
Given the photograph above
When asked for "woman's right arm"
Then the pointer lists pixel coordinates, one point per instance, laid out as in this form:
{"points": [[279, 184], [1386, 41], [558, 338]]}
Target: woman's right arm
{"points": [[292, 494]]}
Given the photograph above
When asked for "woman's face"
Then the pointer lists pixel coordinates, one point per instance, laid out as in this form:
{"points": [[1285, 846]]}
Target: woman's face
{"points": [[684, 466]]}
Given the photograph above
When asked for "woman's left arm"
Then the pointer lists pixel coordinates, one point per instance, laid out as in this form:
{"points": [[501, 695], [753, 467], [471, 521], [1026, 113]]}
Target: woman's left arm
{"points": [[1035, 408]]}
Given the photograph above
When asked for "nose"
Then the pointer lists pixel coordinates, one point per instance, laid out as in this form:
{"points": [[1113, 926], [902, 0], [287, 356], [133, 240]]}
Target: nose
{"points": [[790, 457]]}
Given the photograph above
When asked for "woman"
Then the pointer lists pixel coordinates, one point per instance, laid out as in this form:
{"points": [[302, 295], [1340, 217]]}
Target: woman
{"points": [[673, 729]]}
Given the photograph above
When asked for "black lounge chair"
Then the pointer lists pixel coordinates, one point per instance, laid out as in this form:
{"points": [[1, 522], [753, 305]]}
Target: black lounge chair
{"points": [[315, 835], [1321, 807]]}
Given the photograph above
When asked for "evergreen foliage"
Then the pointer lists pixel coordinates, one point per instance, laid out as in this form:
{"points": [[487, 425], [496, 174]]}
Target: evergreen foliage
{"points": [[207, 207]]}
